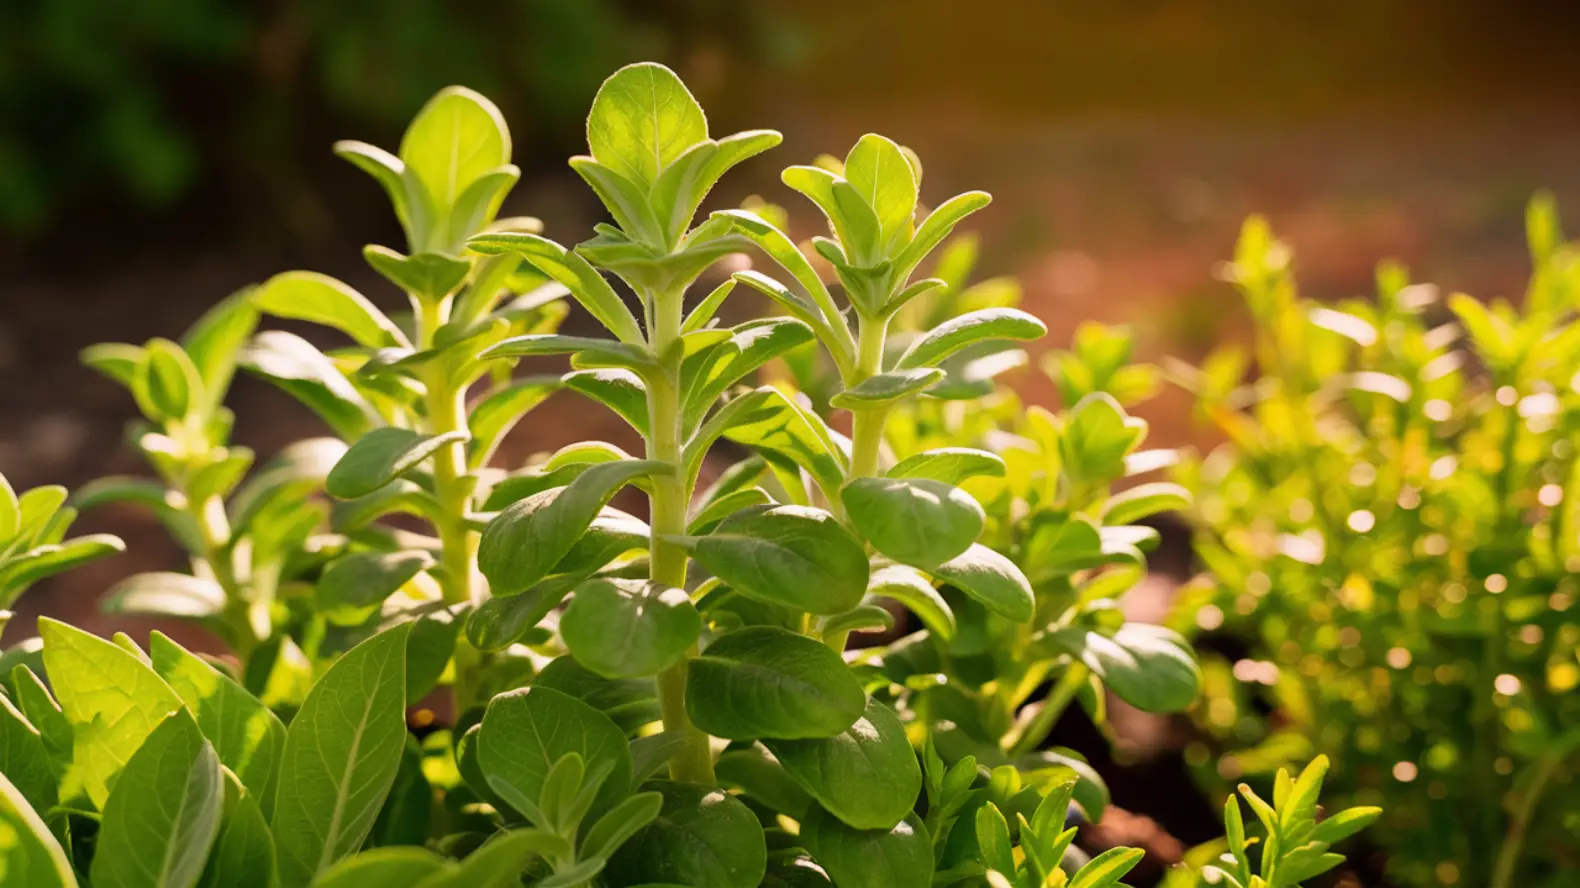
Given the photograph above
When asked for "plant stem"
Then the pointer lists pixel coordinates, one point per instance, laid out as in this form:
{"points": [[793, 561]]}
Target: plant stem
{"points": [[694, 761], [1514, 842], [866, 434], [453, 486], [1041, 724]]}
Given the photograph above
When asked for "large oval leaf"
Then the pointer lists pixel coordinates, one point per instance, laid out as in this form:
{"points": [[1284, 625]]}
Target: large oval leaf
{"points": [[766, 682], [629, 628], [991, 579], [111, 697], [867, 776], [900, 857], [524, 542], [795, 556], [247, 736], [703, 837], [526, 731], [342, 752], [164, 813], [913, 520], [1149, 667]]}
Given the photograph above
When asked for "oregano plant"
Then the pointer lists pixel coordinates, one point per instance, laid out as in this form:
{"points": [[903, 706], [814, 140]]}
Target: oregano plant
{"points": [[658, 700]]}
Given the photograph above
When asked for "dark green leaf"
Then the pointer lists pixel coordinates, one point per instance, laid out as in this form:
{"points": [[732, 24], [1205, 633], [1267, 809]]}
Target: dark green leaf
{"points": [[500, 622], [629, 628], [703, 838], [631, 703], [26, 759], [789, 555], [899, 857], [620, 390], [886, 388], [380, 457], [912, 589], [526, 731], [243, 855], [757, 775], [913, 520], [766, 682], [867, 776], [352, 587], [430, 276], [497, 414], [992, 579], [341, 755]]}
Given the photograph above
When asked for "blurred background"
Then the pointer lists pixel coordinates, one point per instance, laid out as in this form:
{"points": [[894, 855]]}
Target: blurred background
{"points": [[158, 155]]}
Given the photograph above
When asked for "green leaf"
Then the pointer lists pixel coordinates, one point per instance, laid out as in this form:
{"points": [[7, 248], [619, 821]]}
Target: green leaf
{"points": [[620, 390], [246, 735], [1145, 500], [779, 428], [866, 776], [681, 188], [29, 853], [341, 755], [761, 681], [886, 388], [588, 351], [215, 341], [1149, 667], [112, 699], [524, 542], [1107, 868], [320, 299], [167, 382], [526, 731], [164, 813], [394, 867], [10, 512], [389, 171], [912, 589], [21, 571], [308, 375], [26, 759], [861, 618], [993, 842], [938, 225], [1097, 436], [991, 579], [380, 457], [968, 329], [898, 857], [629, 628], [493, 417], [574, 272], [429, 276], [913, 520], [455, 139], [794, 556], [352, 587], [163, 593], [500, 622], [626, 200], [243, 855], [757, 775], [878, 170], [1338, 827], [119, 361], [642, 119], [498, 864], [621, 823], [724, 506], [821, 313], [749, 347], [703, 837]]}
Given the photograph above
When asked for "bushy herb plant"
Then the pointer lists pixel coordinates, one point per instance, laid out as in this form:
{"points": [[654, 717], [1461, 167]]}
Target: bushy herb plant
{"points": [[635, 702], [1392, 527]]}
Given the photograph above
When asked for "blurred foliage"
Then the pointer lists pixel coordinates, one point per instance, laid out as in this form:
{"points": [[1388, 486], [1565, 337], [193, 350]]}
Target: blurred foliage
{"points": [[1394, 526], [139, 104]]}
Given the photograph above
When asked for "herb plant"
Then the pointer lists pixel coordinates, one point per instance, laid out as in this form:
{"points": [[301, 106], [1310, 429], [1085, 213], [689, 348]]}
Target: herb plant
{"points": [[33, 542], [1391, 526], [652, 702]]}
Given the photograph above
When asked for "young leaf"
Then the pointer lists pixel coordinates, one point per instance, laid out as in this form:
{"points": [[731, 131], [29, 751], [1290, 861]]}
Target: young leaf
{"points": [[968, 329], [993, 839], [216, 339], [493, 417], [393, 867], [113, 700], [502, 621], [951, 465], [457, 138], [991, 579], [574, 272], [499, 863], [642, 119], [936, 227], [795, 556], [380, 457], [1107, 868], [29, 852], [21, 571], [620, 390], [703, 837], [526, 731], [886, 388], [913, 521], [1098, 435], [766, 682], [341, 754], [621, 823], [1149, 667], [429, 276], [309, 296], [247, 736], [914, 590], [898, 857], [866, 776], [629, 628], [164, 813], [352, 587], [878, 170], [26, 759], [1145, 500], [522, 544]]}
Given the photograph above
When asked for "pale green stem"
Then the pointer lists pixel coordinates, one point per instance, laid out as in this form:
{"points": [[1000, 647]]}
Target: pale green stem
{"points": [[694, 761], [866, 434]]}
